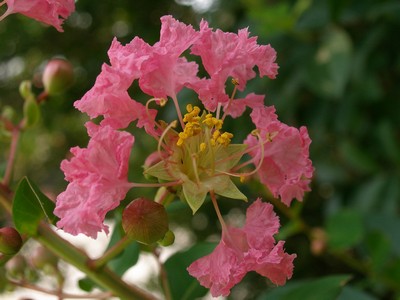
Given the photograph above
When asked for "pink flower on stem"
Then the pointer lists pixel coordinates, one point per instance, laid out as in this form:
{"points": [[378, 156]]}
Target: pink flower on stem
{"points": [[98, 181], [286, 168], [51, 12], [241, 250], [194, 154]]}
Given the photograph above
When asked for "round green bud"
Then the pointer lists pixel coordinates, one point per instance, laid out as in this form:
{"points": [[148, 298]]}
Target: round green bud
{"points": [[145, 221]]}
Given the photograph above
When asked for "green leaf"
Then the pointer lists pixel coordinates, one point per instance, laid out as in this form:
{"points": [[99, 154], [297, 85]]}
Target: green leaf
{"points": [[182, 285], [344, 229], [30, 207], [379, 249], [326, 288], [330, 71], [350, 293], [86, 284]]}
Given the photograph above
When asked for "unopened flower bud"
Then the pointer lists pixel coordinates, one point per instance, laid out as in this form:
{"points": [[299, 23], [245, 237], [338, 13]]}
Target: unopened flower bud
{"points": [[10, 241], [25, 89], [57, 76], [145, 221], [42, 257], [16, 266]]}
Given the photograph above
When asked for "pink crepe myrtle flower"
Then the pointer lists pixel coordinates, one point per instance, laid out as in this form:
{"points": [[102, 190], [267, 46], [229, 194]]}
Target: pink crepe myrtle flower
{"points": [[286, 168], [50, 12], [98, 181], [194, 156], [241, 250]]}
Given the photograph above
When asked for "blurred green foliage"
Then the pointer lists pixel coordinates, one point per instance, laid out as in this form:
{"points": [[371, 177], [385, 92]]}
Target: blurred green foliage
{"points": [[339, 76]]}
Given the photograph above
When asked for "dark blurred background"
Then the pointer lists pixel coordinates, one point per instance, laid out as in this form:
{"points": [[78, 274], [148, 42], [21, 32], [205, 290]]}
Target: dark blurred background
{"points": [[339, 75]]}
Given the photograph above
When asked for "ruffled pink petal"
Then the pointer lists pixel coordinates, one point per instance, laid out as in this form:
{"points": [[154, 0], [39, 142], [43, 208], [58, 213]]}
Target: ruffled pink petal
{"points": [[251, 248], [165, 75], [175, 37], [261, 225], [128, 58], [238, 106], [277, 266], [98, 180], [226, 55], [49, 12], [223, 268], [286, 168]]}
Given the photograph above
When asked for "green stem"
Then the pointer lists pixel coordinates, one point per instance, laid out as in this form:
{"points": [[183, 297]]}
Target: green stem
{"points": [[111, 253], [104, 277], [163, 276], [13, 150]]}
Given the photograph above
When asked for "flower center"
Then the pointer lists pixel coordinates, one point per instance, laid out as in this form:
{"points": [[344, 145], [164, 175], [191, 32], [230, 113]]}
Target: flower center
{"points": [[201, 156]]}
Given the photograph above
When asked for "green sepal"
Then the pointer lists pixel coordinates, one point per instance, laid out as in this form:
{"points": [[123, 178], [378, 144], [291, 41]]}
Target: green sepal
{"points": [[231, 151], [229, 190], [160, 171], [194, 194]]}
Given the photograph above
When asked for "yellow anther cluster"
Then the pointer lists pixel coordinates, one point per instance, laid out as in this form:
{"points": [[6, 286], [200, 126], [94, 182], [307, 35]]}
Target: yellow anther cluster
{"points": [[192, 114], [193, 127], [211, 122], [221, 138]]}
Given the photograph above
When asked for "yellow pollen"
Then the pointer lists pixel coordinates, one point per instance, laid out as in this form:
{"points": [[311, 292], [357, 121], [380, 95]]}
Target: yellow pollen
{"points": [[194, 125]]}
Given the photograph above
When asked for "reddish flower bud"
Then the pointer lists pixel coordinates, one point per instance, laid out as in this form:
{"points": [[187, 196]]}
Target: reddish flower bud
{"points": [[57, 76], [42, 257], [145, 221], [10, 241]]}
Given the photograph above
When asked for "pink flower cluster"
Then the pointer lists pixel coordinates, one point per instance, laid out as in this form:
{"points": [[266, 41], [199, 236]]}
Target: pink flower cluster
{"points": [[251, 248], [51, 12], [280, 153]]}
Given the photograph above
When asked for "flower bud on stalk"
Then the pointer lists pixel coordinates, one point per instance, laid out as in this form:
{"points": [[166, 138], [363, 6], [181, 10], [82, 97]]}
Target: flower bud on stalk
{"points": [[10, 241], [57, 76], [145, 221]]}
